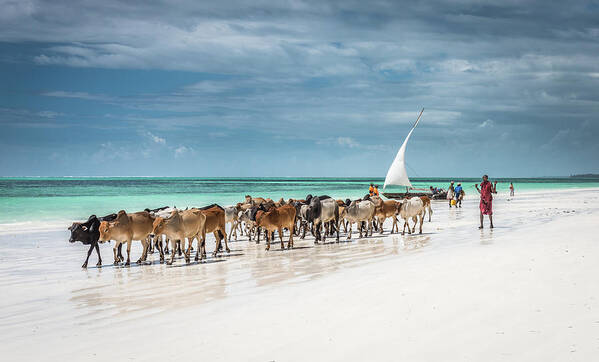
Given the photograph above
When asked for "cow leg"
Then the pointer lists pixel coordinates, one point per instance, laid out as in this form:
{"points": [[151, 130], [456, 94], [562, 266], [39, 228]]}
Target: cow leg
{"points": [[116, 257], [421, 221], [166, 242], [89, 252], [128, 262], [280, 229], [224, 231], [144, 243], [173, 249], [99, 256], [303, 225], [381, 225], [430, 211], [188, 250], [160, 249], [350, 227], [291, 232]]}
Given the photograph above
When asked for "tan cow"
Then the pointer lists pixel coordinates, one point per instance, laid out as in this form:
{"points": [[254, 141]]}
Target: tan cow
{"points": [[215, 223], [276, 219], [256, 201], [126, 228], [190, 224], [384, 210]]}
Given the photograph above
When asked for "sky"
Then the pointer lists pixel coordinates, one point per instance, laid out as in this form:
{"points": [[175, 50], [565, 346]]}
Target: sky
{"points": [[298, 88]]}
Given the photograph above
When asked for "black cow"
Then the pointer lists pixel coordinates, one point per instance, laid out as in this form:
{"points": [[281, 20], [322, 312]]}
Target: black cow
{"points": [[88, 233]]}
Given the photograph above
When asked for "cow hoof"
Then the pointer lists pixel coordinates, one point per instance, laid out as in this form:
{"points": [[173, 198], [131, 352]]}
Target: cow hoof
{"points": [[138, 261], [169, 263], [228, 250], [84, 265], [99, 264], [196, 258], [214, 254], [187, 261], [161, 261], [128, 263], [115, 263]]}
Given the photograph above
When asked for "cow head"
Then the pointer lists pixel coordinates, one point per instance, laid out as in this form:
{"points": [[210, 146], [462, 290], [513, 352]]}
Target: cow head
{"points": [[158, 226], [104, 231], [78, 232]]}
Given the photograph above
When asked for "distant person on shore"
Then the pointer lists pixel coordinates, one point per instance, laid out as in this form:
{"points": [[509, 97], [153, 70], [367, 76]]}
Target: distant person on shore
{"points": [[371, 190], [450, 193], [486, 192], [511, 189], [376, 190], [459, 195]]}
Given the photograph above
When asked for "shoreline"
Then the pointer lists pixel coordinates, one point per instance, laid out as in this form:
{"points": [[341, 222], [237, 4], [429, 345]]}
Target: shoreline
{"points": [[32, 226]]}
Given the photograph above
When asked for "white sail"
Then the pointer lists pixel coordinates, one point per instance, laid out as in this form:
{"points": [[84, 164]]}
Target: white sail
{"points": [[397, 174]]}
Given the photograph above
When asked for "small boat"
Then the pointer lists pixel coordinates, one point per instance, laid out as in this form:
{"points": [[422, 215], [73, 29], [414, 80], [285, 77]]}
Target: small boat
{"points": [[397, 175]]}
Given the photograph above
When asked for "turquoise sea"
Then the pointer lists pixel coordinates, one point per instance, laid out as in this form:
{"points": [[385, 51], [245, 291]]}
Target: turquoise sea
{"points": [[52, 199]]}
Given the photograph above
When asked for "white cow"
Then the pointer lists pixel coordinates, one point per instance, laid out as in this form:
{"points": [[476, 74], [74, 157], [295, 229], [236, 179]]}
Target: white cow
{"points": [[357, 212], [232, 217], [411, 209]]}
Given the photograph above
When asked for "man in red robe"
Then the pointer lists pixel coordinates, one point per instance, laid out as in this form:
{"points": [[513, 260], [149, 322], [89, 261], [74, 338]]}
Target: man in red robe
{"points": [[486, 199]]}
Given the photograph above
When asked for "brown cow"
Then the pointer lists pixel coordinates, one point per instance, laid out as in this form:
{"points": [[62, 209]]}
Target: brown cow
{"points": [[385, 209], [257, 201], [215, 223], [125, 228], [277, 219], [179, 225]]}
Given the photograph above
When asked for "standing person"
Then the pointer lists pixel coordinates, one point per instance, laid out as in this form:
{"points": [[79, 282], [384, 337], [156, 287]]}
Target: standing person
{"points": [[511, 189], [486, 199], [376, 190], [450, 193], [458, 195], [371, 190]]}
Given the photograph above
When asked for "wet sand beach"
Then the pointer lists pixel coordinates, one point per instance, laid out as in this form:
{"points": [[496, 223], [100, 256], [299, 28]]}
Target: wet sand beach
{"points": [[524, 291]]}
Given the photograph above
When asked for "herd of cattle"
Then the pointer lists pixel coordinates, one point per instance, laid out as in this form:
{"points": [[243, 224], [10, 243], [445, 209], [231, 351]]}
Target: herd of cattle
{"points": [[321, 215]]}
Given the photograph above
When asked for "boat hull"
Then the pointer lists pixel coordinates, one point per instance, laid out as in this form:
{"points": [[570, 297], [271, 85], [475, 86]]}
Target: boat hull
{"points": [[403, 195]]}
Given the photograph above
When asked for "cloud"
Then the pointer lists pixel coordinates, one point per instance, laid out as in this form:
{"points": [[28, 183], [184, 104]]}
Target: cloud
{"points": [[486, 124], [156, 139], [347, 141], [77, 95], [183, 151]]}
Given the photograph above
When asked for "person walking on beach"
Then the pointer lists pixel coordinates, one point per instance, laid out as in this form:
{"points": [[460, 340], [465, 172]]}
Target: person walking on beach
{"points": [[511, 189], [458, 195], [450, 193], [486, 199]]}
